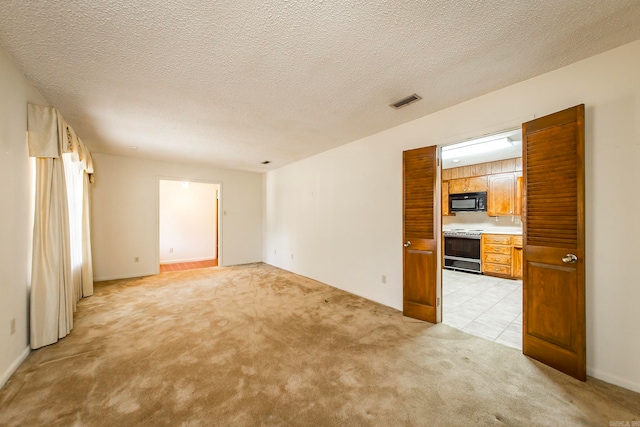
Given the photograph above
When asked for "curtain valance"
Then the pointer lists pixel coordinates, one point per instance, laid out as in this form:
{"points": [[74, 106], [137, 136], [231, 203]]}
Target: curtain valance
{"points": [[49, 135]]}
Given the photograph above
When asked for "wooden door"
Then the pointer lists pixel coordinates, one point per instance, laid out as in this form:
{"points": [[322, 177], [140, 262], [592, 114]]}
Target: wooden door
{"points": [[553, 230], [501, 194], [419, 293]]}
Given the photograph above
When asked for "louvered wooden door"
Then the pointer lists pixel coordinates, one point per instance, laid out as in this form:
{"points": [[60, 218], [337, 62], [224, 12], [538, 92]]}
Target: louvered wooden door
{"points": [[420, 243], [553, 229]]}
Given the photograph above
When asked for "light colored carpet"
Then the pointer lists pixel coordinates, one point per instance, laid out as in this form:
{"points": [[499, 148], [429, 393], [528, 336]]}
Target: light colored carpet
{"points": [[257, 346]]}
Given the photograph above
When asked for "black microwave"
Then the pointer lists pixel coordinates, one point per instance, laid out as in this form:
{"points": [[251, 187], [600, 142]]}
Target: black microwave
{"points": [[468, 202]]}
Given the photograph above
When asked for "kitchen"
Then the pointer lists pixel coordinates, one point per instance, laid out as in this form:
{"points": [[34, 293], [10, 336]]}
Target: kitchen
{"points": [[482, 235]]}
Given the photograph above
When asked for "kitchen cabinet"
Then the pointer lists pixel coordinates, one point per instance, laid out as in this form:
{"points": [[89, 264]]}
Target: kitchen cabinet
{"points": [[518, 209], [445, 199], [516, 262], [501, 194], [468, 185], [496, 252]]}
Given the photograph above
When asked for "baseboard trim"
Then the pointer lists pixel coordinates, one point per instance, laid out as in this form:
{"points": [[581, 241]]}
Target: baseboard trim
{"points": [[14, 366], [613, 379], [118, 277], [176, 261]]}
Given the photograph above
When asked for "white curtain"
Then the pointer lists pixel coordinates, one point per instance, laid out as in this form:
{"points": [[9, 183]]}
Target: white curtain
{"points": [[61, 270]]}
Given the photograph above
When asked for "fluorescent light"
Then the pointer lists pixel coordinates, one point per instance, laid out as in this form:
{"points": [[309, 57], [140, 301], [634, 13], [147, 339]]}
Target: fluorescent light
{"points": [[472, 148]]}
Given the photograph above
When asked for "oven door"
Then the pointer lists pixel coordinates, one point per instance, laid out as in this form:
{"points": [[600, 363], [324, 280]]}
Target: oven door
{"points": [[462, 254], [462, 247]]}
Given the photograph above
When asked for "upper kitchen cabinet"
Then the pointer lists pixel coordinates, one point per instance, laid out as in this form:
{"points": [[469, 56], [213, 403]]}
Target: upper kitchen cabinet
{"points": [[501, 194], [445, 199], [468, 185]]}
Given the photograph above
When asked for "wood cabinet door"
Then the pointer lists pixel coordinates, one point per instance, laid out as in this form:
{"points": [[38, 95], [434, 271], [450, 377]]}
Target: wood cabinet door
{"points": [[445, 198], [457, 186], [554, 246], [501, 194], [516, 268], [476, 184], [419, 292], [518, 202]]}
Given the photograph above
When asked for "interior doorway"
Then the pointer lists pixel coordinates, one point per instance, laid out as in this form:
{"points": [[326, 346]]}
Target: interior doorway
{"points": [[482, 237], [188, 225]]}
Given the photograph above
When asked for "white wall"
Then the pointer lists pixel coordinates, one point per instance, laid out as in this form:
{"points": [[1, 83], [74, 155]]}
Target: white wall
{"points": [[188, 220], [16, 215], [125, 213], [339, 213]]}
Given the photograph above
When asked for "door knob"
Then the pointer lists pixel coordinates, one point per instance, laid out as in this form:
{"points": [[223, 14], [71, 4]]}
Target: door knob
{"points": [[407, 244], [569, 259]]}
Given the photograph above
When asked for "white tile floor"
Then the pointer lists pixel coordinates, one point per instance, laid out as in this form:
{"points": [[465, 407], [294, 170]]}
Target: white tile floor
{"points": [[485, 306]]}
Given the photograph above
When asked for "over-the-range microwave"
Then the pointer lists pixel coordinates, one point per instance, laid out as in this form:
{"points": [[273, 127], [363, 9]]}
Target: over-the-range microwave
{"points": [[468, 202]]}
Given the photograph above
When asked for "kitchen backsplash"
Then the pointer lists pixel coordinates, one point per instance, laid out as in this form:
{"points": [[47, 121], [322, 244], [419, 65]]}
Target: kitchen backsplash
{"points": [[481, 221]]}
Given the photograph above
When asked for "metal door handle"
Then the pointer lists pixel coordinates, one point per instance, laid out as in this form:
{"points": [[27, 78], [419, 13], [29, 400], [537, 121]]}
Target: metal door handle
{"points": [[407, 244], [569, 259]]}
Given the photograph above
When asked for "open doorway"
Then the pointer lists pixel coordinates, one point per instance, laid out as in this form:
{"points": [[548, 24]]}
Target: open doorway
{"points": [[482, 237], [188, 225]]}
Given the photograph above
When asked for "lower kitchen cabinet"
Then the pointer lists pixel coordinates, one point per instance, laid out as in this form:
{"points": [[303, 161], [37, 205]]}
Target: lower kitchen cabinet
{"points": [[496, 252], [516, 266]]}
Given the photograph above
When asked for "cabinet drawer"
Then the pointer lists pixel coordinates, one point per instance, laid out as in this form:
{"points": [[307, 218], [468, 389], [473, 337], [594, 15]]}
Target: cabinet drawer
{"points": [[497, 259], [499, 239], [496, 269], [497, 249]]}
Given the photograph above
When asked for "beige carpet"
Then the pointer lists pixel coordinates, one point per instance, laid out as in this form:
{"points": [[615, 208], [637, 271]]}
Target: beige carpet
{"points": [[257, 346]]}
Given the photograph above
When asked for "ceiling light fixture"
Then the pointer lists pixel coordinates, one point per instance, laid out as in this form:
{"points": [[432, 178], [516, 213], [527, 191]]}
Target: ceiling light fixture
{"points": [[406, 101], [471, 148], [134, 148], [186, 184]]}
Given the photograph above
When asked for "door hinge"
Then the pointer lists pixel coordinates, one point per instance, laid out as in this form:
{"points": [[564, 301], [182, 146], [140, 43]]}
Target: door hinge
{"points": [[438, 302], [438, 161]]}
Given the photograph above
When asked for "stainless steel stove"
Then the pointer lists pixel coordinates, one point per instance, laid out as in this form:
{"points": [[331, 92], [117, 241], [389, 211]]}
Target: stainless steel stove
{"points": [[462, 250]]}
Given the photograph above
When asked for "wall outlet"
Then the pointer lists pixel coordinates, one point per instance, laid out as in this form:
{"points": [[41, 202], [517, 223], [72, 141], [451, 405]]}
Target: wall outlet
{"points": [[291, 256], [13, 326], [384, 278], [170, 250], [274, 252], [136, 259]]}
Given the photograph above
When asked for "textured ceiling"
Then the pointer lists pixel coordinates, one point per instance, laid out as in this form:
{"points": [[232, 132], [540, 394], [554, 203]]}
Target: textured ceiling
{"points": [[232, 83]]}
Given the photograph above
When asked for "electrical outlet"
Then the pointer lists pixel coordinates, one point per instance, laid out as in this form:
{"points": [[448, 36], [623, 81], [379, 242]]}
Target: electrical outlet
{"points": [[274, 252], [13, 326], [384, 278], [291, 256], [170, 250], [136, 259]]}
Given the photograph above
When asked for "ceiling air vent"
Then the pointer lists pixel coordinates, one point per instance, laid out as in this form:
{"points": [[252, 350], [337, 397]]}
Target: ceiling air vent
{"points": [[406, 101]]}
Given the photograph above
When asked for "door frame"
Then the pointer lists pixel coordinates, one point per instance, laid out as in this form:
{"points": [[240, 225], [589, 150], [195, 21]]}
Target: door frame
{"points": [[439, 221], [219, 213]]}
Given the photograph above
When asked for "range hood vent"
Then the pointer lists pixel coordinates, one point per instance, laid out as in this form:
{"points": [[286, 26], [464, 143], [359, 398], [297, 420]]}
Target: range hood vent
{"points": [[406, 101]]}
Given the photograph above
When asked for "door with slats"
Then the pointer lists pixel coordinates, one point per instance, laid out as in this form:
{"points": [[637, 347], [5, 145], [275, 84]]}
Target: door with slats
{"points": [[554, 246], [419, 231]]}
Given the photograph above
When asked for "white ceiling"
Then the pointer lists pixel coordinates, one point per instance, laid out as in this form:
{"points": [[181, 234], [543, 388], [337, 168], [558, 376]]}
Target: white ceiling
{"points": [[232, 83]]}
